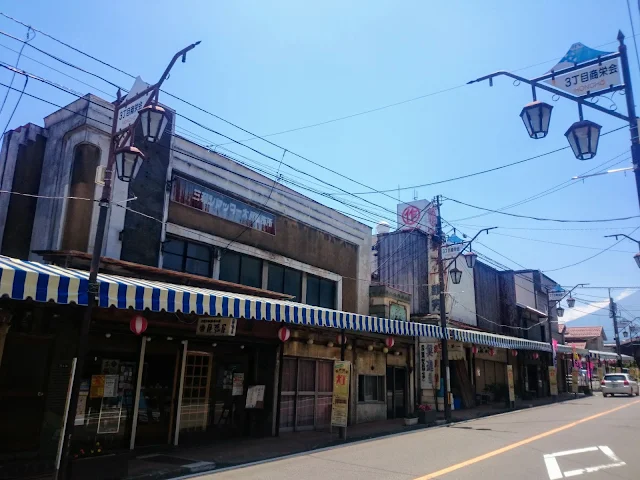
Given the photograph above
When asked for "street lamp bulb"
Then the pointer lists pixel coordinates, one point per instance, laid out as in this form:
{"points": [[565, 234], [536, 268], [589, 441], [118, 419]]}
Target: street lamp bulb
{"points": [[571, 302], [636, 257], [153, 120], [536, 117], [583, 137], [456, 275], [470, 258], [560, 311], [128, 161]]}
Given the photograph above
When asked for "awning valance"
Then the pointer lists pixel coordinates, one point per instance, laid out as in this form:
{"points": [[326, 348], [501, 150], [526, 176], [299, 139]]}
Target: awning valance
{"points": [[21, 280]]}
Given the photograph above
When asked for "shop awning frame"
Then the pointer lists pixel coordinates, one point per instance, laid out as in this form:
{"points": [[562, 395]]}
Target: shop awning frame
{"points": [[22, 280]]}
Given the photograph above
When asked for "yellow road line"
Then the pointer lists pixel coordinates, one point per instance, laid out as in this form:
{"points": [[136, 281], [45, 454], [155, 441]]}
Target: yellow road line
{"points": [[502, 450]]}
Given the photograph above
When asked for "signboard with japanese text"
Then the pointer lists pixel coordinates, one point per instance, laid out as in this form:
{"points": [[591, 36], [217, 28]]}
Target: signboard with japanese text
{"points": [[128, 115], [110, 386], [340, 399], [556, 293], [417, 215], [553, 381], [216, 327], [589, 79], [191, 194], [429, 365], [97, 386], [255, 397], [575, 380], [510, 383]]}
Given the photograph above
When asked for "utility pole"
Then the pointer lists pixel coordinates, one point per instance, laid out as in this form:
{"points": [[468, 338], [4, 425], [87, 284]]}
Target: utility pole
{"points": [[613, 309], [444, 364]]}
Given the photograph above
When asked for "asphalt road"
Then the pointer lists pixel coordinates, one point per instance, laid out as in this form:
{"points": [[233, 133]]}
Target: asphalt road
{"points": [[591, 438]]}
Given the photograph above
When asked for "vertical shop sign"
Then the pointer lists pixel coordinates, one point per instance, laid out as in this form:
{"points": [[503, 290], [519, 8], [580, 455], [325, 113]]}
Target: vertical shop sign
{"points": [[512, 393], [340, 400], [575, 381], [429, 365], [553, 381], [238, 385]]}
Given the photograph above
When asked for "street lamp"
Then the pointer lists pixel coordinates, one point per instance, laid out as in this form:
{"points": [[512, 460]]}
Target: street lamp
{"points": [[456, 275], [536, 117], [127, 160], [636, 257], [583, 137], [153, 120], [571, 302], [470, 258], [560, 311]]}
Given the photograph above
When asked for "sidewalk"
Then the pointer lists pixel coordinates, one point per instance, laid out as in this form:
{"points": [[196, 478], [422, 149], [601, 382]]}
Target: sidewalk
{"points": [[189, 460]]}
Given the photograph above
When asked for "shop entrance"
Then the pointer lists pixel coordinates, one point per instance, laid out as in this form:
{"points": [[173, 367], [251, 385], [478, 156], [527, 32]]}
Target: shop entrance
{"points": [[396, 392], [23, 378], [157, 393]]}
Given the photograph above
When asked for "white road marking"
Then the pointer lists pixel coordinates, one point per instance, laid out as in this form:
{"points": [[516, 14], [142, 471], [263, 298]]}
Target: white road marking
{"points": [[555, 473]]}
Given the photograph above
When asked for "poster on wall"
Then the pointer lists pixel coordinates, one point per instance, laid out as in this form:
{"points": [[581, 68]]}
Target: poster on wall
{"points": [[429, 365], [510, 383], [238, 385], [340, 399], [97, 386], [110, 386], [553, 381], [190, 194], [81, 408], [255, 397]]}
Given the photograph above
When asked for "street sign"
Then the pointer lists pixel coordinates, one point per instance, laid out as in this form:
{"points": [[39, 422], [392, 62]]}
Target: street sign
{"points": [[556, 293], [128, 115], [418, 215], [588, 79]]}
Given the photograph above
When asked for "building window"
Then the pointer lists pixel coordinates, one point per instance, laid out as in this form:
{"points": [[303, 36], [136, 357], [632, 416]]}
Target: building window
{"points": [[371, 388], [320, 292], [285, 280], [242, 269], [183, 256]]}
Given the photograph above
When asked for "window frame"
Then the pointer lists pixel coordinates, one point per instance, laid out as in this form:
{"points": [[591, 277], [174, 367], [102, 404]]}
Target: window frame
{"points": [[185, 255], [241, 257], [380, 384], [320, 281]]}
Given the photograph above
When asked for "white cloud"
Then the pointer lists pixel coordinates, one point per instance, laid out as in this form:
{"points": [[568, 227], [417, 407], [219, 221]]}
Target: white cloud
{"points": [[602, 307]]}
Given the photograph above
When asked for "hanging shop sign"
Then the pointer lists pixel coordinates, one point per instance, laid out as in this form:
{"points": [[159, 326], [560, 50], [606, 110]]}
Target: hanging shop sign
{"points": [[340, 399], [216, 327], [429, 365], [128, 115], [510, 383], [553, 381], [556, 293], [589, 79], [186, 192]]}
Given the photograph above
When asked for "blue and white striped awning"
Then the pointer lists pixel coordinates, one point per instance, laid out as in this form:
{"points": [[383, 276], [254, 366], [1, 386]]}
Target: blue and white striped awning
{"points": [[22, 280]]}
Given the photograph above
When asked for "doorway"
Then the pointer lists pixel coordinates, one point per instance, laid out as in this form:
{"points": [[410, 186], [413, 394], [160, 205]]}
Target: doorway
{"points": [[23, 379], [396, 392], [158, 391]]}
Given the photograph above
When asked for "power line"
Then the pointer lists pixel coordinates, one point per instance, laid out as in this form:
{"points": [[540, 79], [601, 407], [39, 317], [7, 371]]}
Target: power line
{"points": [[541, 219], [13, 76], [557, 243]]}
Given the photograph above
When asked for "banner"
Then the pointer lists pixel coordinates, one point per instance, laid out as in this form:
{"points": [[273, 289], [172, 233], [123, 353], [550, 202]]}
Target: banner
{"points": [[340, 400], [575, 380], [512, 393], [553, 381]]}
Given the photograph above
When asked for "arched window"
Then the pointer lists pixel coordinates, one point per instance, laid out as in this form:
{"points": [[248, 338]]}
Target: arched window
{"points": [[77, 225]]}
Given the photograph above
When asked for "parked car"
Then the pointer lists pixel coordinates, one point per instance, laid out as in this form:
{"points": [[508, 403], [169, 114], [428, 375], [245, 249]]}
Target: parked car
{"points": [[619, 384]]}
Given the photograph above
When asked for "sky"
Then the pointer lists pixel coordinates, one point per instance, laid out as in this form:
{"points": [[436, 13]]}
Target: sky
{"points": [[271, 66]]}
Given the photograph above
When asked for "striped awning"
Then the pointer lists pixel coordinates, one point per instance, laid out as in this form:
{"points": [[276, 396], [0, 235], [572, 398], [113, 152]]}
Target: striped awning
{"points": [[22, 280]]}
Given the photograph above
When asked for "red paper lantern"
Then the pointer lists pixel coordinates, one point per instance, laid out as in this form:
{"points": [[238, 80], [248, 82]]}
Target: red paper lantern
{"points": [[340, 339], [535, 355], [514, 353], [389, 342], [474, 349], [492, 352], [284, 334], [138, 324]]}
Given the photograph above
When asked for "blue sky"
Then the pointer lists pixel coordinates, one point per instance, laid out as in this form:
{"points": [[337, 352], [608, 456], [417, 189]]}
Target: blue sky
{"points": [[277, 65]]}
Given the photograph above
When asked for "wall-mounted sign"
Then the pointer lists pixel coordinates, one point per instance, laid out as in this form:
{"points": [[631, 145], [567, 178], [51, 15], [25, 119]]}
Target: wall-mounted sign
{"points": [[418, 215], [397, 311], [186, 192], [255, 397], [216, 326], [429, 365]]}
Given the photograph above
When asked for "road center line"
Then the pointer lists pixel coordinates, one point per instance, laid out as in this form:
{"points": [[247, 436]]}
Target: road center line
{"points": [[510, 447]]}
